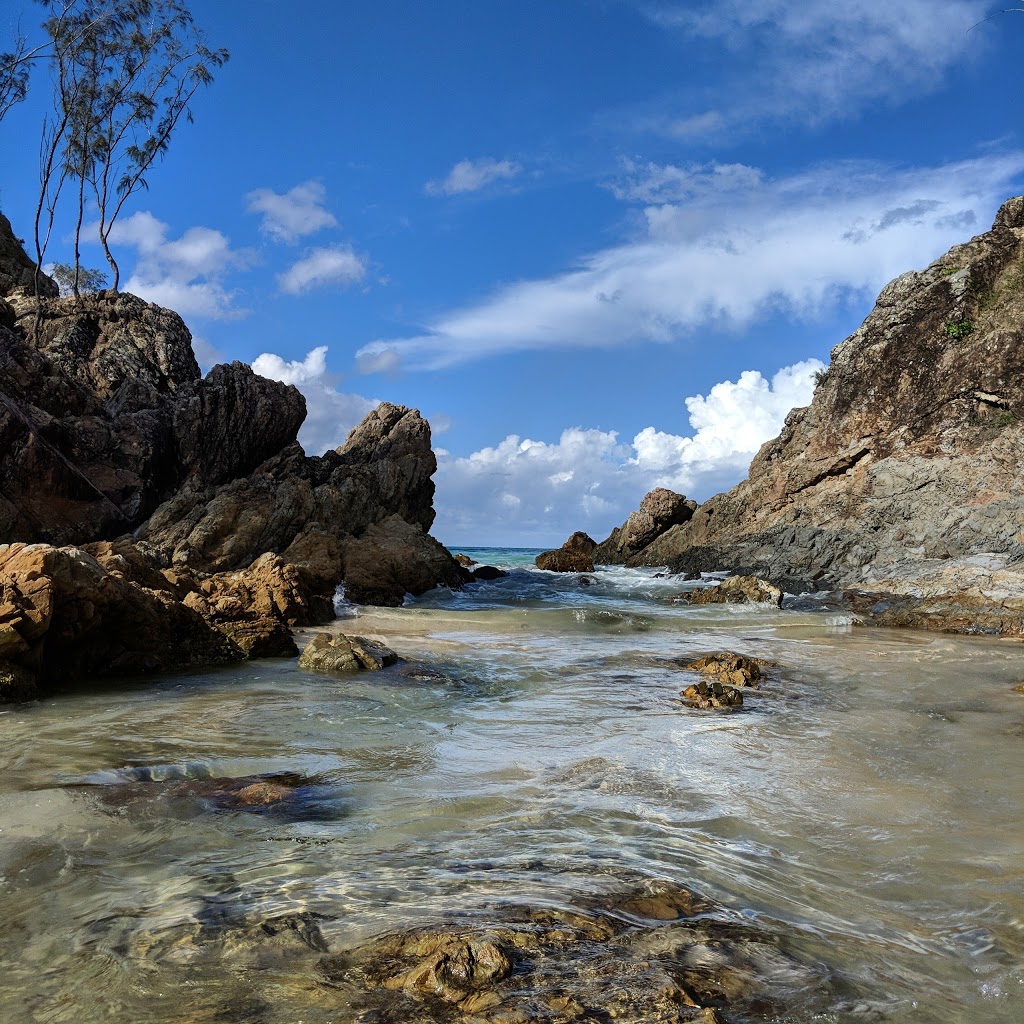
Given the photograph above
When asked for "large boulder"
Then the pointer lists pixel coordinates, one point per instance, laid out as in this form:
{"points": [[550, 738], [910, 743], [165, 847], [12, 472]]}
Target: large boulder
{"points": [[575, 555], [660, 510], [394, 558]]}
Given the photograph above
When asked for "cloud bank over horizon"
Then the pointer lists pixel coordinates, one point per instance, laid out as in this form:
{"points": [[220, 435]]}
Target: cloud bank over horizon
{"points": [[535, 493]]}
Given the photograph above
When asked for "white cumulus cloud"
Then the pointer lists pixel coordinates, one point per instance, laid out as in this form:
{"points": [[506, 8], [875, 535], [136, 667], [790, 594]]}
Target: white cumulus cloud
{"points": [[330, 414], [185, 273], [287, 217], [739, 248], [472, 175], [537, 493], [333, 265]]}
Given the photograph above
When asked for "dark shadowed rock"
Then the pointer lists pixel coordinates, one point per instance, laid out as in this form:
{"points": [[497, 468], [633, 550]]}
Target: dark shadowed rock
{"points": [[193, 492], [488, 572], [713, 696], [17, 271], [575, 555]]}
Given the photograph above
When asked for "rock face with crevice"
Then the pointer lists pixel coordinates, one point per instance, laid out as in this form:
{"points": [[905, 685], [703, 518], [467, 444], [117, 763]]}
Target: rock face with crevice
{"points": [[910, 456], [147, 480]]}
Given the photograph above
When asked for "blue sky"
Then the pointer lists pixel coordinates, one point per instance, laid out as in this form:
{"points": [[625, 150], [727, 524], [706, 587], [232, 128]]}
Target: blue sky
{"points": [[601, 245]]}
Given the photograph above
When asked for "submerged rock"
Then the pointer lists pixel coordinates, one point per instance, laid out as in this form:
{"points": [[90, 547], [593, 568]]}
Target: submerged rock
{"points": [[575, 555], [657, 955], [338, 653]]}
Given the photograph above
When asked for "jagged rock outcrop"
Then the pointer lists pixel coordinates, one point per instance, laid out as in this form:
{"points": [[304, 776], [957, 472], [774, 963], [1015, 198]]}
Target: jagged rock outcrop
{"points": [[908, 462], [17, 271], [104, 415], [660, 510], [195, 489], [575, 555]]}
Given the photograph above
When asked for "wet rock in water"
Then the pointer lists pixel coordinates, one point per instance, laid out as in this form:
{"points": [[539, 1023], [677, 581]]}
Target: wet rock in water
{"points": [[657, 955], [575, 555], [586, 581], [465, 561], [726, 667], [345, 654], [190, 791], [1019, 688], [736, 590], [712, 696], [488, 572]]}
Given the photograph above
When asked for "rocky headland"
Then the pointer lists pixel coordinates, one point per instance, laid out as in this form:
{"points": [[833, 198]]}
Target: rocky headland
{"points": [[900, 485], [152, 518]]}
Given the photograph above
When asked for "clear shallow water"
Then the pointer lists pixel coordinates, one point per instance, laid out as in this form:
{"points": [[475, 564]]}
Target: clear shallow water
{"points": [[866, 806]]}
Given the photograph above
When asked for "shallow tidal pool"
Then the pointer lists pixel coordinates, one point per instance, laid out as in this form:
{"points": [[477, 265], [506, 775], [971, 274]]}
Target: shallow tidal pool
{"points": [[862, 814]]}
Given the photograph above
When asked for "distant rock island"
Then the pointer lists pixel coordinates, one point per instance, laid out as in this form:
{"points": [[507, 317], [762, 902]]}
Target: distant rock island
{"points": [[153, 518], [901, 485]]}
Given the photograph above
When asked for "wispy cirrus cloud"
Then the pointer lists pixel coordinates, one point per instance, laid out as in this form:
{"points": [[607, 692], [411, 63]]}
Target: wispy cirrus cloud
{"points": [[472, 176], [289, 216], [741, 247], [812, 60], [337, 265]]}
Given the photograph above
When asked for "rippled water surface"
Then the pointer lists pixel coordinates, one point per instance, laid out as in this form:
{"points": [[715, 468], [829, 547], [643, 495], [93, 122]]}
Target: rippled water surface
{"points": [[865, 805]]}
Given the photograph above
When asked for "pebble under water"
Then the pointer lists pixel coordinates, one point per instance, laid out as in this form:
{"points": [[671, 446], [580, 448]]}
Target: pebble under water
{"points": [[265, 845]]}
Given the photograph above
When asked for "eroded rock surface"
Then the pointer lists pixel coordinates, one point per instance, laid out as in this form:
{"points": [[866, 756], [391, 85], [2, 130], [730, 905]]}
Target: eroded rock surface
{"points": [[660, 510], [64, 616], [735, 590], [657, 955], [726, 667]]}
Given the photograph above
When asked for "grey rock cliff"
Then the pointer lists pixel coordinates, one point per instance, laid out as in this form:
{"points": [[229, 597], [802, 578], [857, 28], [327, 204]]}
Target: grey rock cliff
{"points": [[911, 453]]}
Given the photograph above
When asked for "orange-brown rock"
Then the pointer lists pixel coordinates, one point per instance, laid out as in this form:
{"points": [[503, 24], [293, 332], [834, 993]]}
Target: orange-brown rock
{"points": [[726, 667], [65, 617]]}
